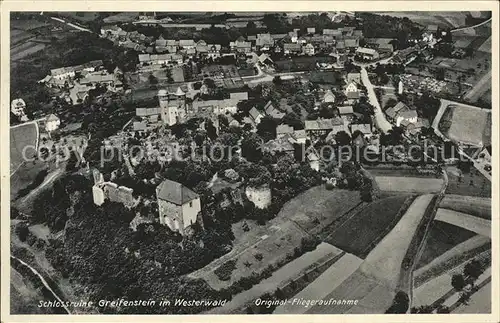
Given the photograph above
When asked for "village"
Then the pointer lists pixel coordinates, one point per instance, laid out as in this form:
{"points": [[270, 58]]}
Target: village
{"points": [[240, 154]]}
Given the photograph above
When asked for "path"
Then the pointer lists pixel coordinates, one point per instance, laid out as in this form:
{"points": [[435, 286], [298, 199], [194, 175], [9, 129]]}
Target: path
{"points": [[480, 88], [44, 282], [380, 119], [49, 179], [72, 25]]}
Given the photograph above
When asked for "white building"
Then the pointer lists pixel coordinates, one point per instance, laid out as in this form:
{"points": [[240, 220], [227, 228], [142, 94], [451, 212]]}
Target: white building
{"points": [[17, 107], [178, 206], [52, 123]]}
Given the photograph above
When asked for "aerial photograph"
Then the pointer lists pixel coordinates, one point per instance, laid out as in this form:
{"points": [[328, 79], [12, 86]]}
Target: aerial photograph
{"points": [[330, 162]]}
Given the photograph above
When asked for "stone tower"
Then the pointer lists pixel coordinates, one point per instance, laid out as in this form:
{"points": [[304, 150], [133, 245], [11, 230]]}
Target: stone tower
{"points": [[168, 109]]}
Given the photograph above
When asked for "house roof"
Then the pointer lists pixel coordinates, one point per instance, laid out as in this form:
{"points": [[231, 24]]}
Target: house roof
{"points": [[175, 193], [364, 128], [284, 129], [323, 124], [239, 96], [346, 110], [272, 111], [329, 96], [352, 95], [340, 44], [139, 126], [353, 77], [351, 43], [186, 42], [144, 112], [292, 46], [367, 51], [254, 113], [299, 134]]}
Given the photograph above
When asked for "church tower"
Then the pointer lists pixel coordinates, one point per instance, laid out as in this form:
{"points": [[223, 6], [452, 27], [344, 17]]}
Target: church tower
{"points": [[168, 110]]}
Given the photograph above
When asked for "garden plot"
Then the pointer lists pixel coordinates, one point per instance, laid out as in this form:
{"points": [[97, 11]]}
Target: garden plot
{"points": [[409, 184]]}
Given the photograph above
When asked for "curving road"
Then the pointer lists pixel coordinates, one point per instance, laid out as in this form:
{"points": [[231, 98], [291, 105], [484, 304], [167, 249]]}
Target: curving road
{"points": [[380, 119]]}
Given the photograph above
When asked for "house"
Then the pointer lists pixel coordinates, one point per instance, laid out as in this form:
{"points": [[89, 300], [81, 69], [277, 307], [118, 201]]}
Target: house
{"points": [[340, 46], [365, 129], [382, 45], [214, 51], [264, 41], [293, 36], [283, 129], [241, 46], [52, 123], [272, 111], [139, 126], [308, 49], [346, 111], [17, 107], [265, 59], [368, 54], [300, 136], [351, 43], [178, 206], [78, 94], [187, 43], [240, 96], [311, 30], [329, 97], [332, 32], [402, 114], [70, 71], [323, 126], [293, 48], [354, 77], [256, 116], [110, 30], [225, 106], [415, 128], [352, 93]]}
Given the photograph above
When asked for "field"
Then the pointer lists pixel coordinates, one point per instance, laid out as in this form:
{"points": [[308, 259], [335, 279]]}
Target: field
{"points": [[82, 16], [451, 258], [122, 17], [486, 46], [324, 284], [326, 77], [318, 207], [304, 215], [18, 36], [445, 19], [20, 137], [472, 183], [442, 237], [280, 277], [409, 184], [479, 207], [466, 221], [361, 233], [27, 24], [465, 124], [25, 49], [273, 242], [301, 63]]}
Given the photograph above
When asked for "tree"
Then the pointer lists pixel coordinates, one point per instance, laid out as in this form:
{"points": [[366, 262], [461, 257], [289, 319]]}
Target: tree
{"points": [[400, 303], [267, 128], [293, 120], [342, 138], [152, 79], [473, 269], [458, 282], [251, 147], [22, 231]]}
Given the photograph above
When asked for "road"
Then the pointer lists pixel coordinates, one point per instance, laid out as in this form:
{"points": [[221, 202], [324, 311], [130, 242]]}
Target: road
{"points": [[471, 27], [479, 88], [44, 282], [72, 25], [380, 119]]}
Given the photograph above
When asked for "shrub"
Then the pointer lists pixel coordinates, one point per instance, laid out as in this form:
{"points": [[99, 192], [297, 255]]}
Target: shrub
{"points": [[224, 271]]}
